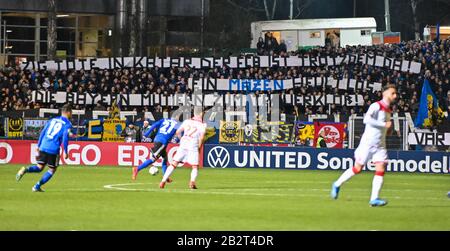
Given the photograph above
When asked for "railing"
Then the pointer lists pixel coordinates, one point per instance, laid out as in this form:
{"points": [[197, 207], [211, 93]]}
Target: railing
{"points": [[397, 141]]}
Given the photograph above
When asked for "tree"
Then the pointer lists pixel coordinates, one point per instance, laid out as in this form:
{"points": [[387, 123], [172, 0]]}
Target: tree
{"points": [[133, 29], [270, 14], [414, 4], [227, 27], [247, 6], [269, 7], [51, 30], [302, 5]]}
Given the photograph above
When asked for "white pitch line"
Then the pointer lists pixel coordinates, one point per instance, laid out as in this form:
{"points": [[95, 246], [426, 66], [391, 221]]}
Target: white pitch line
{"points": [[230, 191], [210, 192], [327, 182], [296, 182], [63, 190], [121, 187]]}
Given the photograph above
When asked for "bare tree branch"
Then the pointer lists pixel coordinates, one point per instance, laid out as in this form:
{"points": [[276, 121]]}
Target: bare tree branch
{"points": [[247, 8], [51, 33], [267, 10], [302, 6], [414, 4], [270, 15], [274, 8]]}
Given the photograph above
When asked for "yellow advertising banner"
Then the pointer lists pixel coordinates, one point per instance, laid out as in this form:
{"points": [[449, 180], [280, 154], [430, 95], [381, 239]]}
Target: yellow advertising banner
{"points": [[15, 127], [230, 132], [267, 133], [112, 129]]}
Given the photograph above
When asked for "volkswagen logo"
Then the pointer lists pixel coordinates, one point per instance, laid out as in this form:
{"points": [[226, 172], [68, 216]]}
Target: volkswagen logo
{"points": [[218, 157]]}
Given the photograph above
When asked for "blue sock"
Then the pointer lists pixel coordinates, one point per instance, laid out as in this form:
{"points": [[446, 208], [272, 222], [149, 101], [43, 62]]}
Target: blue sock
{"points": [[33, 169], [45, 178], [164, 166], [145, 164]]}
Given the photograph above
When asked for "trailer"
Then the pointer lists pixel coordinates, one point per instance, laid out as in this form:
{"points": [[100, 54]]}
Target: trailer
{"points": [[317, 32]]}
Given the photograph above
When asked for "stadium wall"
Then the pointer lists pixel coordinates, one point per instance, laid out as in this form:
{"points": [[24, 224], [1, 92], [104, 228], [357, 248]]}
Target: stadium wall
{"points": [[227, 156]]}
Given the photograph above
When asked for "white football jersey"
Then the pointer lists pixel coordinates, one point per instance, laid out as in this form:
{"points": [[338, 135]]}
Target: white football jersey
{"points": [[193, 130], [375, 120]]}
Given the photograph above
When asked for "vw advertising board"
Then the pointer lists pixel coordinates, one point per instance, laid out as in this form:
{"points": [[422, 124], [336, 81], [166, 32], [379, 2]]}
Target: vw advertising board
{"points": [[219, 156]]}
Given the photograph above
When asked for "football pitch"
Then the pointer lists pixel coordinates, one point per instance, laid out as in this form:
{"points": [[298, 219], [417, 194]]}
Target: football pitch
{"points": [[105, 198]]}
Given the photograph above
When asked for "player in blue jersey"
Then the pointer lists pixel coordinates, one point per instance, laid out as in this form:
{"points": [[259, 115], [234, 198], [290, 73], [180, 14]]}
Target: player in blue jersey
{"points": [[165, 129], [55, 133]]}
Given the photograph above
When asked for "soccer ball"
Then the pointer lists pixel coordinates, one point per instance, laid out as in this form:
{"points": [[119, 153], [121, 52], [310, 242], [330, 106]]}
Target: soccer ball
{"points": [[153, 170]]}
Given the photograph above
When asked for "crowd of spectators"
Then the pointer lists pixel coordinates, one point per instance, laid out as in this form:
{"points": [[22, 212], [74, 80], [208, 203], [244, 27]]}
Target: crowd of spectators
{"points": [[16, 85], [269, 45]]}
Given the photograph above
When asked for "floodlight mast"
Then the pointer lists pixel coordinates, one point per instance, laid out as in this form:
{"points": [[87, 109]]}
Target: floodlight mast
{"points": [[387, 15], [291, 11]]}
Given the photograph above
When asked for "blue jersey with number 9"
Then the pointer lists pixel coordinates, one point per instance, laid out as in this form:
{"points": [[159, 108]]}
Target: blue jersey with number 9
{"points": [[166, 129], [55, 133]]}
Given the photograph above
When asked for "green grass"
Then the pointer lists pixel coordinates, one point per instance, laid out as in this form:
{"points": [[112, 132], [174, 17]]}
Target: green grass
{"points": [[228, 199]]}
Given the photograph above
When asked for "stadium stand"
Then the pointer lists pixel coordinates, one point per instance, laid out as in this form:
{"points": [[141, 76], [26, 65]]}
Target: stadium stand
{"points": [[16, 84]]}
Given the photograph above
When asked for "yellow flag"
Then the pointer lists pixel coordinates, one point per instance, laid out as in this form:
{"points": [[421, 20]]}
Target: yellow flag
{"points": [[115, 111]]}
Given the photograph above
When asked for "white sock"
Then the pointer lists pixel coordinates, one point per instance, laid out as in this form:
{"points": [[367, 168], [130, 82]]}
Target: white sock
{"points": [[348, 174], [376, 186], [168, 172], [194, 174]]}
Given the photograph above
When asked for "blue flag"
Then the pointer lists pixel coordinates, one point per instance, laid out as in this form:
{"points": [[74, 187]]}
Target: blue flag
{"points": [[429, 111], [438, 32]]}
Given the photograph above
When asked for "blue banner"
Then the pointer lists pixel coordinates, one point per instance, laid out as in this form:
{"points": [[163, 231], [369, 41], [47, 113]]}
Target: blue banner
{"points": [[220, 156]]}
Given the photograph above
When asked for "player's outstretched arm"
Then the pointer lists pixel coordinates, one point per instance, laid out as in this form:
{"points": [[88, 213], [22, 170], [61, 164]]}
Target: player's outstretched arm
{"points": [[153, 127]]}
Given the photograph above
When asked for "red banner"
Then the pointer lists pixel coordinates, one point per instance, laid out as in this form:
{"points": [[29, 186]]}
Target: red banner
{"points": [[85, 153], [334, 134]]}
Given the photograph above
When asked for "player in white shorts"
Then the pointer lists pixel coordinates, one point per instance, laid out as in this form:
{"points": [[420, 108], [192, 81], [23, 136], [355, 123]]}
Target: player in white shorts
{"points": [[190, 144], [372, 146]]}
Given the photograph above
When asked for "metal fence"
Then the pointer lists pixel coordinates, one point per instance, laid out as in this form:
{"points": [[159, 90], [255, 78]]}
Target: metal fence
{"points": [[397, 141]]}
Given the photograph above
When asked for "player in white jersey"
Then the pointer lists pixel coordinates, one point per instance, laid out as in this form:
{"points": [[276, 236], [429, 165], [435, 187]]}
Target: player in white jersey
{"points": [[190, 144], [372, 146]]}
